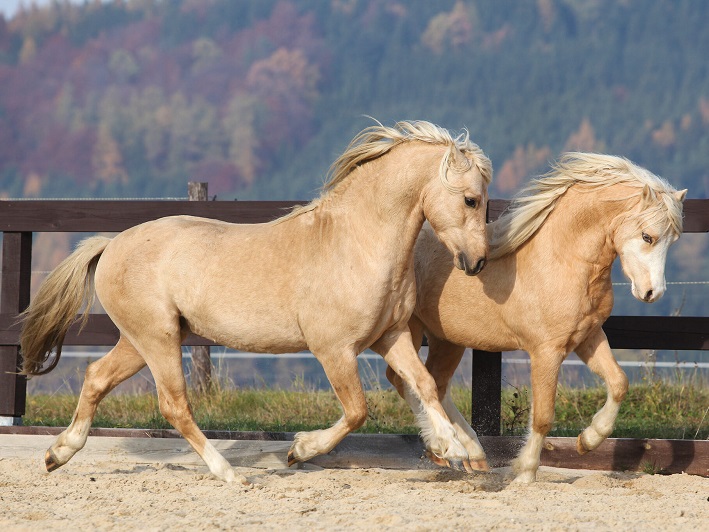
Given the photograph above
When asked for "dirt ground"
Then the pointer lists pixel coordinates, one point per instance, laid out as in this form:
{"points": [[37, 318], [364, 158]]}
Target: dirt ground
{"points": [[108, 495]]}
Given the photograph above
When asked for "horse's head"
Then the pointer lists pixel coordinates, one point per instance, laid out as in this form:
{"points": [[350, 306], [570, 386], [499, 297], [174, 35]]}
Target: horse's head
{"points": [[643, 238], [456, 207]]}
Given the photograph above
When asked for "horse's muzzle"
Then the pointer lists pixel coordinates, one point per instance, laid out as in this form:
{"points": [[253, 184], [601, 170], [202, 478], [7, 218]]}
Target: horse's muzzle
{"points": [[462, 262]]}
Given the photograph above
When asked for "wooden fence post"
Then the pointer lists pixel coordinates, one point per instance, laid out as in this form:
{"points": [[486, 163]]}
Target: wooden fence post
{"points": [[486, 410], [201, 375], [487, 389], [15, 296]]}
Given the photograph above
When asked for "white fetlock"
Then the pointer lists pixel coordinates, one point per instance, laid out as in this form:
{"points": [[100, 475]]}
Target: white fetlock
{"points": [[306, 445], [454, 451], [232, 476], [589, 439], [219, 466], [601, 427], [440, 437]]}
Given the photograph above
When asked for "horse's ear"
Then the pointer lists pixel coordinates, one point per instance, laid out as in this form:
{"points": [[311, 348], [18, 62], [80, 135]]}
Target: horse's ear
{"points": [[680, 195], [648, 194]]}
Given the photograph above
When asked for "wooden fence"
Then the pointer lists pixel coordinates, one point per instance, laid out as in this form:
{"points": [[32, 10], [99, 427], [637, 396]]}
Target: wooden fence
{"points": [[19, 219]]}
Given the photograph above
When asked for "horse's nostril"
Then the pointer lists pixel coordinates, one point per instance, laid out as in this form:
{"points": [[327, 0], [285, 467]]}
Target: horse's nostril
{"points": [[648, 295], [480, 265]]}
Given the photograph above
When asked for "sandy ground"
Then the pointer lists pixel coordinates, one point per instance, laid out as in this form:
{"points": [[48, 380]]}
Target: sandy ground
{"points": [[106, 495]]}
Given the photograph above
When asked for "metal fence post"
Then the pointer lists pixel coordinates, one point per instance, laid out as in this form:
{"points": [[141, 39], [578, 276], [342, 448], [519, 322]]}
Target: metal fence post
{"points": [[201, 375], [14, 298]]}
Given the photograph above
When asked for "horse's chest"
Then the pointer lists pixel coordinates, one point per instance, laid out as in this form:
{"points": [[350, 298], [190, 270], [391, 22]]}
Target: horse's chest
{"points": [[394, 306], [594, 311]]}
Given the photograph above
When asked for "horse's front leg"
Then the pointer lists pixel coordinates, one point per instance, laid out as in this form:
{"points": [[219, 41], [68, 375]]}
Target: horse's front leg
{"points": [[342, 372], [597, 354], [545, 364], [443, 359], [420, 392]]}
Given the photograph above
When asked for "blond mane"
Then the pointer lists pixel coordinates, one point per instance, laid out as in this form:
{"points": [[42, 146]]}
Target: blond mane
{"points": [[530, 208], [375, 141]]}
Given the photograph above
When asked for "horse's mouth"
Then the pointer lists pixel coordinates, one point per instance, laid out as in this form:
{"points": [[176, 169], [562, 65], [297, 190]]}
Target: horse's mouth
{"points": [[463, 263]]}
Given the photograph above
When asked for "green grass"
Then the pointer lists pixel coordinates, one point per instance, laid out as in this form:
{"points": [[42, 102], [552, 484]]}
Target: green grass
{"points": [[652, 410], [657, 409]]}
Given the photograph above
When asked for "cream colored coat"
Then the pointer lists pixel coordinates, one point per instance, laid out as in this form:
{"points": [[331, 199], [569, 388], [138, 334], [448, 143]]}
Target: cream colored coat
{"points": [[335, 277], [547, 289]]}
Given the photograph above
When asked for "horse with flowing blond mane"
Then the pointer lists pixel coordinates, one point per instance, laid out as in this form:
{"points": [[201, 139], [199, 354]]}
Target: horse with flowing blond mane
{"points": [[335, 276], [547, 288]]}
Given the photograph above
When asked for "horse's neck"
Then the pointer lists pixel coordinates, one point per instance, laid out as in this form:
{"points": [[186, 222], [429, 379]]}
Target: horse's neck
{"points": [[579, 230], [382, 200]]}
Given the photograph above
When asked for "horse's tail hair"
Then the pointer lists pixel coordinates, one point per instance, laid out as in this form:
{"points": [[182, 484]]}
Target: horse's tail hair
{"points": [[55, 306]]}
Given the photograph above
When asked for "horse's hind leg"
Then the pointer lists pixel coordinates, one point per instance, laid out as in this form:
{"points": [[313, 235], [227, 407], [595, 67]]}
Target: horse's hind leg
{"points": [[545, 366], [164, 358], [342, 372], [597, 354], [102, 376], [438, 433]]}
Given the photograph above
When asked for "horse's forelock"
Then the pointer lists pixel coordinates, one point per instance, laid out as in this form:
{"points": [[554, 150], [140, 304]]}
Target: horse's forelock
{"points": [[662, 209]]}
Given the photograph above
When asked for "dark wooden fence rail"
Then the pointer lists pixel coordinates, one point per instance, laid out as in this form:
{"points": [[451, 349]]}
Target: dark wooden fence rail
{"points": [[19, 219]]}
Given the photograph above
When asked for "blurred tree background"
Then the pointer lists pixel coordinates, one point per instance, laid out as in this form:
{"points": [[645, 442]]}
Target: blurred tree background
{"points": [[133, 98]]}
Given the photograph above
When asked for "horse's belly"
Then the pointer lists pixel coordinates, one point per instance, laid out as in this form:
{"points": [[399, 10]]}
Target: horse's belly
{"points": [[249, 331]]}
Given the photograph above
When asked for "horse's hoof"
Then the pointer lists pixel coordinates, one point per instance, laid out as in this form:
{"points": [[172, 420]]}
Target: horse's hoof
{"points": [[436, 459], [50, 461], [580, 448], [292, 459], [458, 465], [479, 465]]}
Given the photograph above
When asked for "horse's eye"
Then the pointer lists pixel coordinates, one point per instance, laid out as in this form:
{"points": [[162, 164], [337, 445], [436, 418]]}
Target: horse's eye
{"points": [[471, 202], [647, 238]]}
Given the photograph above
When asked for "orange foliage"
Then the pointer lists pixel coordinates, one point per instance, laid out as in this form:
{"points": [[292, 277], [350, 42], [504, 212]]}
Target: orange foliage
{"points": [[33, 185], [285, 71], [686, 122], [584, 139], [523, 162], [665, 136], [107, 160], [704, 110], [344, 6], [496, 38], [454, 28], [547, 13]]}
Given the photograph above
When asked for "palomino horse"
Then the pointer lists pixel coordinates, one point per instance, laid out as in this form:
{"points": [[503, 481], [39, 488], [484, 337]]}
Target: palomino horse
{"points": [[335, 276], [547, 287]]}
